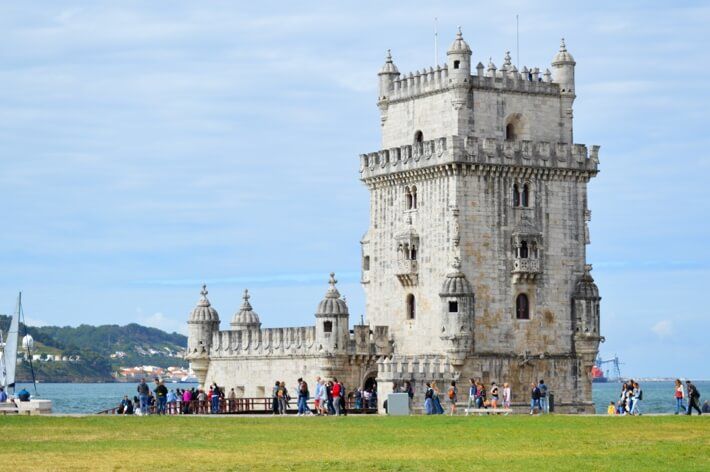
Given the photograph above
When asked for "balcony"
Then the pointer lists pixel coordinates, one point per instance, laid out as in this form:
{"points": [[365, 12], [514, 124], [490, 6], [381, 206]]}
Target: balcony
{"points": [[407, 272], [526, 268]]}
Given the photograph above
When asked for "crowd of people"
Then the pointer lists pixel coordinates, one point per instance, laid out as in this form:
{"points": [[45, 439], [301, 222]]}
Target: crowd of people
{"points": [[161, 401], [629, 402], [479, 397]]}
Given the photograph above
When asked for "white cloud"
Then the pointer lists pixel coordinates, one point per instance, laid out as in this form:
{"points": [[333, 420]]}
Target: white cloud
{"points": [[160, 321], [663, 328]]}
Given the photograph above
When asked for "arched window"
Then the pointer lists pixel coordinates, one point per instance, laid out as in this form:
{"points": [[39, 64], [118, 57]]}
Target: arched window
{"points": [[522, 307], [510, 132], [418, 137], [413, 253], [411, 307], [407, 198], [516, 195], [524, 196], [524, 250], [327, 326], [414, 197], [366, 263]]}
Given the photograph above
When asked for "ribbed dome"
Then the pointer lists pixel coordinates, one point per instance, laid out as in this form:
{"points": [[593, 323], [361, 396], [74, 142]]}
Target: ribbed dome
{"points": [[459, 45], [456, 284], [563, 57], [389, 67], [246, 317], [204, 311], [332, 304], [586, 288]]}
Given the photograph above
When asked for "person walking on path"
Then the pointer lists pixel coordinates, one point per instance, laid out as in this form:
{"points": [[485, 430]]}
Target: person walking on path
{"points": [[161, 396], [438, 409], [636, 399], [275, 398], [534, 398], [302, 397], [143, 392], [282, 395], [544, 405], [453, 397], [335, 392], [471, 395], [693, 398], [429, 400], [494, 395], [506, 396], [679, 395]]}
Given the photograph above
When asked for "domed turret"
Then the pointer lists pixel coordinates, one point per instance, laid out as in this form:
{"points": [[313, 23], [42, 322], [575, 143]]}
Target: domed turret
{"points": [[457, 301], [585, 305], [246, 318], [332, 318], [202, 323], [563, 69], [203, 311], [388, 74], [456, 285], [458, 60], [332, 304]]}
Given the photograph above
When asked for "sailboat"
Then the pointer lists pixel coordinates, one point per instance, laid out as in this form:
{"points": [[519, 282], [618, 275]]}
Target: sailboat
{"points": [[8, 367]]}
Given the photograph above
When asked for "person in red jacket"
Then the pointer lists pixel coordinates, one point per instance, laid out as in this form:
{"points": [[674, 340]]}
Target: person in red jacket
{"points": [[336, 396]]}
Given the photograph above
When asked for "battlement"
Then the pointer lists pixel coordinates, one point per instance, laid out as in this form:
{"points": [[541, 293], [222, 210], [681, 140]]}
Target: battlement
{"points": [[485, 151], [254, 342], [435, 80], [417, 368]]}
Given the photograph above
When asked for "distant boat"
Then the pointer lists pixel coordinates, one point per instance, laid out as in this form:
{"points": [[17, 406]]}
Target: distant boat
{"points": [[598, 376], [8, 352]]}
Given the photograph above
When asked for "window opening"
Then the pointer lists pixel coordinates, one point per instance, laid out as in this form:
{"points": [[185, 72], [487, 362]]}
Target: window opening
{"points": [[522, 308]]}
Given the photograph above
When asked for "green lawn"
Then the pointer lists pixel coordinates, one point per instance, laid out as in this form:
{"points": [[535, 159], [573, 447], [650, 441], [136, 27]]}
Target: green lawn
{"points": [[356, 443]]}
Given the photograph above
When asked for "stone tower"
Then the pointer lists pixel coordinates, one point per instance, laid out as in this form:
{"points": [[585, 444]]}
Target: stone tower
{"points": [[475, 255]]}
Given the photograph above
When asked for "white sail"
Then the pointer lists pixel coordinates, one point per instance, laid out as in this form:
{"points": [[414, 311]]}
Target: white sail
{"points": [[10, 351], [3, 373]]}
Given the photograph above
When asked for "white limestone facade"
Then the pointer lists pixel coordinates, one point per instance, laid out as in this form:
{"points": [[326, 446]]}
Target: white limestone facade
{"points": [[474, 263]]}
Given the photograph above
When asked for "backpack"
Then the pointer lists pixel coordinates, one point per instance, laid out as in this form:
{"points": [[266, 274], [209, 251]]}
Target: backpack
{"points": [[696, 392], [452, 393]]}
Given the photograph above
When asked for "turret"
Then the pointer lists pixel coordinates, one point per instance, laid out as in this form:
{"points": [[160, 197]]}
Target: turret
{"points": [[563, 67], [202, 323], [458, 311], [246, 317], [458, 61], [585, 323], [332, 319], [387, 75]]}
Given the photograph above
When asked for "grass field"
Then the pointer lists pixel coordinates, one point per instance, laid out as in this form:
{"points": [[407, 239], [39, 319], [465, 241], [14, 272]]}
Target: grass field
{"points": [[356, 443]]}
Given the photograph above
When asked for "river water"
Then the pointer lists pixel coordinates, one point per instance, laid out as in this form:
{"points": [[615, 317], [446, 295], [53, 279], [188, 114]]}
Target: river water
{"points": [[90, 398]]}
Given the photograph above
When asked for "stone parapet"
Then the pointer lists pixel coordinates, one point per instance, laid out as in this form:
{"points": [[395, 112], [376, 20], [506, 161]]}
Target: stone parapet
{"points": [[484, 151]]}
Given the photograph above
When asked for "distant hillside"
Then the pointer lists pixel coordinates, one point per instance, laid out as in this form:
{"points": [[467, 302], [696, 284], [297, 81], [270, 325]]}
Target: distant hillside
{"points": [[101, 350]]}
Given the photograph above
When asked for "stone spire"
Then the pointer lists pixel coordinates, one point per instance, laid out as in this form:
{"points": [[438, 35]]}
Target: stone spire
{"points": [[389, 67], [332, 304], [203, 311], [563, 56], [459, 45]]}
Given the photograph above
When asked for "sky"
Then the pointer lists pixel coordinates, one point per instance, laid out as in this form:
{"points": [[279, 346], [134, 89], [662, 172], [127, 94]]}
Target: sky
{"points": [[147, 147]]}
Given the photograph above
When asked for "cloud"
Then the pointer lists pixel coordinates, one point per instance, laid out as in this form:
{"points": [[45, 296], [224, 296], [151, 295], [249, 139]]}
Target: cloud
{"points": [[160, 321], [663, 328]]}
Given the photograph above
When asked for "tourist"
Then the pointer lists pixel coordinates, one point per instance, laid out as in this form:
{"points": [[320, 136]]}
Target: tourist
{"points": [[232, 397], [317, 395], [172, 402], [481, 395], [453, 397], [679, 395], [706, 407], [323, 398], [282, 394], [302, 397], [494, 395], [693, 398], [409, 390], [128, 407], [275, 398], [506, 396], [544, 406], [335, 392], [623, 399], [343, 399], [143, 392], [366, 394], [161, 395], [329, 397], [471, 395], [611, 409], [216, 393], [3, 395], [438, 409], [202, 406], [373, 397], [186, 399], [636, 399], [534, 399], [358, 398], [429, 400]]}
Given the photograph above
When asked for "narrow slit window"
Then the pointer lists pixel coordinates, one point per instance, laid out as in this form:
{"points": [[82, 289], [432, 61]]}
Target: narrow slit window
{"points": [[453, 307]]}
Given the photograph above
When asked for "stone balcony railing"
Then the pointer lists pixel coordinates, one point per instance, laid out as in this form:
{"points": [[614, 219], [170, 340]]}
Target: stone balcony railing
{"points": [[480, 153], [525, 268], [407, 272]]}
